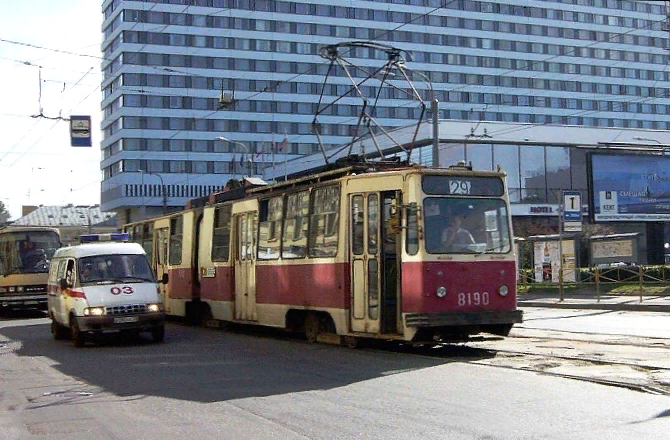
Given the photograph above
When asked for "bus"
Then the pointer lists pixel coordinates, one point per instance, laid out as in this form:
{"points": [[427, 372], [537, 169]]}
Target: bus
{"points": [[25, 255], [365, 251]]}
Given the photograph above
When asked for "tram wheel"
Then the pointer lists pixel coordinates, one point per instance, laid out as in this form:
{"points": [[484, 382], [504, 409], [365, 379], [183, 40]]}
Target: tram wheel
{"points": [[351, 341], [312, 327]]}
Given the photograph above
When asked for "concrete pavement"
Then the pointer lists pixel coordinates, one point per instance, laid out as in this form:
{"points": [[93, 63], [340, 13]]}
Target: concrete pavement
{"points": [[589, 300]]}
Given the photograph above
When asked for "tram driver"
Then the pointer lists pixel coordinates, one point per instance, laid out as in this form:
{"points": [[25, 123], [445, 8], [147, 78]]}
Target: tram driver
{"points": [[455, 237]]}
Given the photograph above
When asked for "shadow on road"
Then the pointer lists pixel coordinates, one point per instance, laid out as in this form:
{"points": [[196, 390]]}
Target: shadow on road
{"points": [[11, 315], [207, 365]]}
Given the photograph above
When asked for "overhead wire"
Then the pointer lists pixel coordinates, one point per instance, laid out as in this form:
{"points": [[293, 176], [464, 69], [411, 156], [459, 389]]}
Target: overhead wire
{"points": [[528, 67]]}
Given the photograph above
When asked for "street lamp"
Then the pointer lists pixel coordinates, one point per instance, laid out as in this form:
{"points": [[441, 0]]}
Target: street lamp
{"points": [[246, 148], [162, 188]]}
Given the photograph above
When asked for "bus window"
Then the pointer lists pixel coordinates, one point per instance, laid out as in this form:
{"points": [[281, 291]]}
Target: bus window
{"points": [[295, 226], [270, 228], [324, 221], [176, 235], [221, 233]]}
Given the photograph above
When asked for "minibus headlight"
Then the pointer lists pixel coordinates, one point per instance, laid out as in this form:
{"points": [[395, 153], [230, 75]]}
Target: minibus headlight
{"points": [[155, 308], [94, 311], [504, 290], [441, 292]]}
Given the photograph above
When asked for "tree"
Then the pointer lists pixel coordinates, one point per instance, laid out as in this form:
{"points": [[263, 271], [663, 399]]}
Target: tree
{"points": [[4, 213]]}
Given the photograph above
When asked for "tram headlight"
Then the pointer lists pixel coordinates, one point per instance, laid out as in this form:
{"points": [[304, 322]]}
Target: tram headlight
{"points": [[504, 290], [441, 292]]}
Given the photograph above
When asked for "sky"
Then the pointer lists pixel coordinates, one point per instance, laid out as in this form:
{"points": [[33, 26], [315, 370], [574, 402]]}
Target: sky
{"points": [[37, 164]]}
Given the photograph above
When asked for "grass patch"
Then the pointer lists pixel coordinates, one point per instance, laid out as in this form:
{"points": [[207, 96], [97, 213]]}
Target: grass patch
{"points": [[623, 289]]}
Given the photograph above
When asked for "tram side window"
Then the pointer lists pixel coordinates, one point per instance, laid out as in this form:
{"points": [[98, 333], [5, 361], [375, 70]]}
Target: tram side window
{"points": [[176, 235], [221, 234], [324, 222], [148, 239], [270, 228], [296, 225], [412, 229]]}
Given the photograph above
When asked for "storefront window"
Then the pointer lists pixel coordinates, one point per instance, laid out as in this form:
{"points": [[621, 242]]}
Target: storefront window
{"points": [[480, 156], [451, 154], [507, 156], [558, 171], [533, 184]]}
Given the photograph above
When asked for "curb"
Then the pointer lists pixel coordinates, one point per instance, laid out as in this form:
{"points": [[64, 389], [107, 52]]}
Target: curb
{"points": [[599, 306]]}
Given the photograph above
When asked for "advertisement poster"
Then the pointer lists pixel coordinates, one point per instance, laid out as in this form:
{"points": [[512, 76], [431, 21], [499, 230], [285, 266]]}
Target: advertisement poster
{"points": [[608, 249], [547, 263], [630, 187]]}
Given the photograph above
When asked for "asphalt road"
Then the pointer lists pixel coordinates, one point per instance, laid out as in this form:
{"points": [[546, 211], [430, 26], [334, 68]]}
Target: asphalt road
{"points": [[606, 322], [213, 384]]}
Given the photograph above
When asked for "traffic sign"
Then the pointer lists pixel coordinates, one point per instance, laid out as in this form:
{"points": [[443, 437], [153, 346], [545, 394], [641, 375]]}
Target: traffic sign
{"points": [[80, 131], [572, 211]]}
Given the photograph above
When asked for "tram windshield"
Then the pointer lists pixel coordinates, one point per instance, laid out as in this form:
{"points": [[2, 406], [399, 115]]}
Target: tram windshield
{"points": [[27, 251], [466, 225]]}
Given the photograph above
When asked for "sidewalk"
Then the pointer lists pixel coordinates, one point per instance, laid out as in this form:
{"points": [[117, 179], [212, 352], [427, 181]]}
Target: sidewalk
{"points": [[588, 300]]}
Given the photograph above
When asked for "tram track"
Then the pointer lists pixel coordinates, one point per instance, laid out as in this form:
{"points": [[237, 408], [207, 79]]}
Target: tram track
{"points": [[539, 361]]}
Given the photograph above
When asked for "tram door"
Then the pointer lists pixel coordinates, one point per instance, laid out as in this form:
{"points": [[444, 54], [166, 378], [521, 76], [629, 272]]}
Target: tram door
{"points": [[161, 260], [364, 252], [245, 266]]}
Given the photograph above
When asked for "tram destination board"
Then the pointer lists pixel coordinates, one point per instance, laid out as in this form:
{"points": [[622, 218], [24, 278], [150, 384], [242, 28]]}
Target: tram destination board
{"points": [[463, 185]]}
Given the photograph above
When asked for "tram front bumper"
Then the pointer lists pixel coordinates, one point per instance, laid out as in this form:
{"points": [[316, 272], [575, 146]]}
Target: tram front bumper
{"points": [[463, 319]]}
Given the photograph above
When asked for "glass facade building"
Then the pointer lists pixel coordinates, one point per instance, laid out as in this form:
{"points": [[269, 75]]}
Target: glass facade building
{"points": [[600, 63]]}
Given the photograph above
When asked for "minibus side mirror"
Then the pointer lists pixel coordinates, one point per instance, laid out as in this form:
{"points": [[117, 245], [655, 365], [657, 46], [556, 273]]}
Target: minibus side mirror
{"points": [[63, 284], [165, 278]]}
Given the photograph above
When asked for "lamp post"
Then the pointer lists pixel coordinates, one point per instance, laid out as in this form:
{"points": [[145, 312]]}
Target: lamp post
{"points": [[163, 192], [246, 148]]}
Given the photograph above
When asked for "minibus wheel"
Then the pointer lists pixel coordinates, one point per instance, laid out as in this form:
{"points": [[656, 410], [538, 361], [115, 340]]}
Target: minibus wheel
{"points": [[78, 338], [58, 331], [158, 333]]}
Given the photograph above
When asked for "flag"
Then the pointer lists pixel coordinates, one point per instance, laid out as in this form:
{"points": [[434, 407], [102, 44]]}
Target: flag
{"points": [[259, 151], [284, 143]]}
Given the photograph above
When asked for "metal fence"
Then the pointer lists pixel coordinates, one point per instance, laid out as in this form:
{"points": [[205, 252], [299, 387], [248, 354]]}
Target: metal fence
{"points": [[598, 279]]}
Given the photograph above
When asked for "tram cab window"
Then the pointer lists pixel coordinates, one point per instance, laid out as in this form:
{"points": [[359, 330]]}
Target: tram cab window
{"points": [[176, 236], [270, 228], [466, 225], [295, 225], [221, 233], [324, 222]]}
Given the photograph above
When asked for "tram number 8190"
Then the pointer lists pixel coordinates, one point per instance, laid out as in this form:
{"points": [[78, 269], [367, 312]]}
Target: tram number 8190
{"points": [[473, 299]]}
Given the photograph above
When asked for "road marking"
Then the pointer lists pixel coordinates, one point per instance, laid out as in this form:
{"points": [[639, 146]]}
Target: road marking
{"points": [[185, 364]]}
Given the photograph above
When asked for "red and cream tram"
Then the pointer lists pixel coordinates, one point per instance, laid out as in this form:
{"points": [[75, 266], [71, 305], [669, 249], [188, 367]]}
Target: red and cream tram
{"points": [[403, 253]]}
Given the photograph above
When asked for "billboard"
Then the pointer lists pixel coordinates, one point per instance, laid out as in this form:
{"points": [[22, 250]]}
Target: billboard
{"points": [[626, 187]]}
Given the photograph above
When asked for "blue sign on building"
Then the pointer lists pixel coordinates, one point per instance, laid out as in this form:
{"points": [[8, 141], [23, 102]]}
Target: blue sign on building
{"points": [[80, 131]]}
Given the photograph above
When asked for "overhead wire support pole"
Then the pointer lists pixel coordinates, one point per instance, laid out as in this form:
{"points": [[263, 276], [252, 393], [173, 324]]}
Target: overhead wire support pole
{"points": [[436, 133]]}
